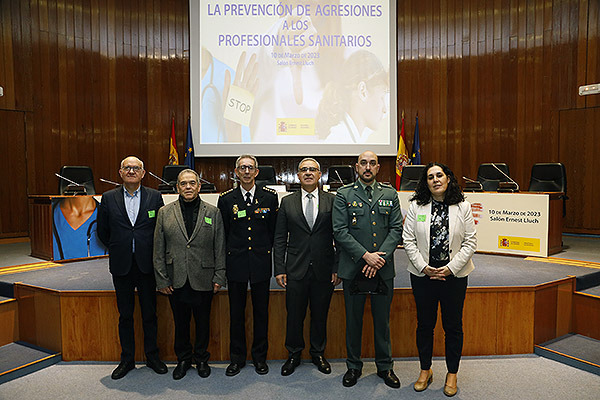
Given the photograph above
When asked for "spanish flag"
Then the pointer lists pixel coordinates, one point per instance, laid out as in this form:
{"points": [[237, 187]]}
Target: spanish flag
{"points": [[173, 157], [402, 156]]}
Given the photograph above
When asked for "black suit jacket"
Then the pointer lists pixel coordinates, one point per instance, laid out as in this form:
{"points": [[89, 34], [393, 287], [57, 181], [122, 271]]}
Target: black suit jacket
{"points": [[249, 233], [293, 254], [117, 233]]}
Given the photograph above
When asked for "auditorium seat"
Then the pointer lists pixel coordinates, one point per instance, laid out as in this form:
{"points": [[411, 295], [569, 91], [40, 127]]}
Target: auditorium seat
{"points": [[410, 176], [80, 174], [208, 188], [170, 174], [343, 172], [549, 177], [490, 177], [266, 176]]}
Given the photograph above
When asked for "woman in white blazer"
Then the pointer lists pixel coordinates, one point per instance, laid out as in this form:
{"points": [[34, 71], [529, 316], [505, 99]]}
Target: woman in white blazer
{"points": [[439, 239]]}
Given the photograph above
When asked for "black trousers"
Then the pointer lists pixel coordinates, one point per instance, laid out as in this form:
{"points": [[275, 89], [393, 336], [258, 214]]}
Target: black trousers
{"points": [[259, 293], [380, 311], [125, 290], [297, 297], [450, 294], [182, 315]]}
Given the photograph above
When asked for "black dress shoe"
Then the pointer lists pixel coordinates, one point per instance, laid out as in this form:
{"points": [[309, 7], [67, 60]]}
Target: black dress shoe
{"points": [[203, 369], [322, 364], [156, 365], [390, 378], [350, 377], [290, 365], [181, 369], [122, 370], [261, 367], [234, 368]]}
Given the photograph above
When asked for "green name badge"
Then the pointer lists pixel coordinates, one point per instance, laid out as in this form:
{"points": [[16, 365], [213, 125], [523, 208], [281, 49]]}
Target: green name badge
{"points": [[151, 213], [241, 213], [208, 220], [421, 218]]}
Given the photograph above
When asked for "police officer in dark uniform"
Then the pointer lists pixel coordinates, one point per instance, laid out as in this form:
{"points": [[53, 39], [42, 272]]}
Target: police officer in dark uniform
{"points": [[367, 226], [249, 216]]}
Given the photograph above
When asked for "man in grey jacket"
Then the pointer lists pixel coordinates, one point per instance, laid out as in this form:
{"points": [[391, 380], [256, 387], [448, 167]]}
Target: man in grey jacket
{"points": [[189, 264]]}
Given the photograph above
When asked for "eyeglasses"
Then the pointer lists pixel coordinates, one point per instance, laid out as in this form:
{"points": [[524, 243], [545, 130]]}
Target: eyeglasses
{"points": [[311, 169], [132, 168], [248, 167]]}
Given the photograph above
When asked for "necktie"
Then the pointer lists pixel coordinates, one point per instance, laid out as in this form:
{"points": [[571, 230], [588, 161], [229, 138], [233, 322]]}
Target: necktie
{"points": [[248, 199], [370, 192], [310, 213]]}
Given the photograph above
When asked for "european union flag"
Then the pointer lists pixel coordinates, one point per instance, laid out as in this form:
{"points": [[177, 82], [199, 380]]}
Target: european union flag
{"points": [[416, 148], [189, 152]]}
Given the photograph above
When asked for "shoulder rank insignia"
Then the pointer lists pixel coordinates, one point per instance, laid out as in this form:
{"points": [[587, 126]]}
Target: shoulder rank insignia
{"points": [[226, 192], [268, 189]]}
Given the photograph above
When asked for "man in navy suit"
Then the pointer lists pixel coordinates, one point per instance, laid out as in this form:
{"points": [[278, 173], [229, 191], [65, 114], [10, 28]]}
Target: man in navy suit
{"points": [[305, 265], [126, 221], [249, 215]]}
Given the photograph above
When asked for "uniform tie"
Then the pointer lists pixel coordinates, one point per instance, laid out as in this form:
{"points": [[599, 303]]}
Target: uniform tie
{"points": [[248, 199], [369, 190], [310, 213]]}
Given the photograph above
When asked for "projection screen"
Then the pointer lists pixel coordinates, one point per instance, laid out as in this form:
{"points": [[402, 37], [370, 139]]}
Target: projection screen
{"points": [[293, 77]]}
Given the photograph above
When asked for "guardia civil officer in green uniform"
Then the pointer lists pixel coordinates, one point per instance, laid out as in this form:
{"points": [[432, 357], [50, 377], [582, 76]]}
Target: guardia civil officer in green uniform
{"points": [[367, 226]]}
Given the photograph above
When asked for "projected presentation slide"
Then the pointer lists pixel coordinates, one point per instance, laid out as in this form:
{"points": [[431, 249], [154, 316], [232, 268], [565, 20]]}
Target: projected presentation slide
{"points": [[293, 77]]}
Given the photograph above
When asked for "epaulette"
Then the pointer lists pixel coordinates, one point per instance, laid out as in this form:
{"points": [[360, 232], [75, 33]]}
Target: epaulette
{"points": [[386, 185], [226, 192], [268, 189]]}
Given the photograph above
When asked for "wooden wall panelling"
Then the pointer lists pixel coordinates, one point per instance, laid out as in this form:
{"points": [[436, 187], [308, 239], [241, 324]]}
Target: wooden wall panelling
{"points": [[39, 316], [515, 321], [13, 191], [6, 56], [496, 321], [586, 315], [480, 322], [9, 321], [488, 79], [546, 300], [593, 53], [579, 145], [564, 307]]}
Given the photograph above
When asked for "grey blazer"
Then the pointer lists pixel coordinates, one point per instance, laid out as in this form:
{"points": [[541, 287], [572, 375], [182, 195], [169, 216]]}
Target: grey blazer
{"points": [[199, 258]]}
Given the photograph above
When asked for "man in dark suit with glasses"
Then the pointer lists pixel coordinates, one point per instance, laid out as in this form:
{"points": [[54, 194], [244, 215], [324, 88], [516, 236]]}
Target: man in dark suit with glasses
{"points": [[305, 265]]}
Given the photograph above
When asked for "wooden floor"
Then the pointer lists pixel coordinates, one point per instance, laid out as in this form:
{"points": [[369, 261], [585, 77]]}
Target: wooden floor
{"points": [[497, 321]]}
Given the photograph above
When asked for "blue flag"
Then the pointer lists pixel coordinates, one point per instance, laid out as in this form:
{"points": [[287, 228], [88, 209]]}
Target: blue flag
{"points": [[189, 151], [416, 148]]}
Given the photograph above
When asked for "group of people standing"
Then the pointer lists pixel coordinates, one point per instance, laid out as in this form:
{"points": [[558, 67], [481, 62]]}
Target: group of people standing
{"points": [[189, 249]]}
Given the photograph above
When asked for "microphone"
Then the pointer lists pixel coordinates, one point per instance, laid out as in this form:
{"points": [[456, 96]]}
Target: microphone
{"points": [[67, 179], [73, 188], [159, 178], [472, 185], [164, 187], [339, 177], [111, 182], [511, 186], [203, 180]]}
